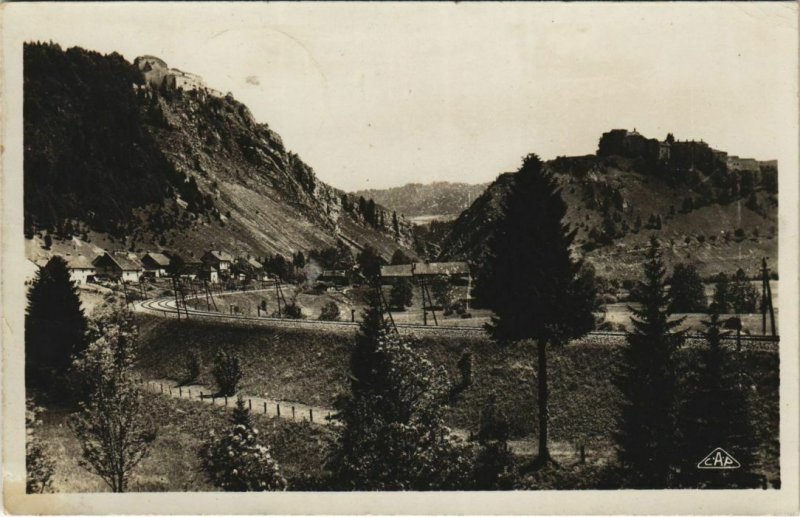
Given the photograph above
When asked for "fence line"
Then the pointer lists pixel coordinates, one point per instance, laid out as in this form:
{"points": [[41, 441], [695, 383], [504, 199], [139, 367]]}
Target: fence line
{"points": [[268, 407]]}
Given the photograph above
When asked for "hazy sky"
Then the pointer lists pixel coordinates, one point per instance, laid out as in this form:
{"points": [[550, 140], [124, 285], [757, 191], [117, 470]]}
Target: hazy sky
{"points": [[381, 95]]}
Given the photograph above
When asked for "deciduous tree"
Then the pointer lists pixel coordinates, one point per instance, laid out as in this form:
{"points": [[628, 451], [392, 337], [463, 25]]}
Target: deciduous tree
{"points": [[113, 426], [686, 290]]}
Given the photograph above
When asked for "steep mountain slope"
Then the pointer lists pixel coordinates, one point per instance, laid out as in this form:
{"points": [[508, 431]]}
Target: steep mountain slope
{"points": [[615, 204], [116, 159], [439, 200]]}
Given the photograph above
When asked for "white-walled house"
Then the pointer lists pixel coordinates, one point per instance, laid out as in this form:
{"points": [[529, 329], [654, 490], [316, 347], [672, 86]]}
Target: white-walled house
{"points": [[119, 266]]}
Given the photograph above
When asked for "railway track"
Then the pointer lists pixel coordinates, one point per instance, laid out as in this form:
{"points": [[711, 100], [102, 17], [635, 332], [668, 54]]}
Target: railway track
{"points": [[165, 307]]}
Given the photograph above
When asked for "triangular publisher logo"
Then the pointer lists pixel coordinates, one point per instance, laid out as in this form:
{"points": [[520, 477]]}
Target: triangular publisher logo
{"points": [[719, 459]]}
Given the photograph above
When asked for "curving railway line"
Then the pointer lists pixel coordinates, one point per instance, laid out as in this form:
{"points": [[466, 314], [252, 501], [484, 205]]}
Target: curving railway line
{"points": [[166, 308]]}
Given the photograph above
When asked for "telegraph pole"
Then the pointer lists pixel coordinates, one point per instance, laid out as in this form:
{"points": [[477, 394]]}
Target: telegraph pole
{"points": [[766, 300]]}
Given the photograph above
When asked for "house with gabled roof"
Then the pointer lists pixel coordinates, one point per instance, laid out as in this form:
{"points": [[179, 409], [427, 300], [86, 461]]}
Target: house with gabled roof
{"points": [[119, 266], [222, 260], [155, 264]]}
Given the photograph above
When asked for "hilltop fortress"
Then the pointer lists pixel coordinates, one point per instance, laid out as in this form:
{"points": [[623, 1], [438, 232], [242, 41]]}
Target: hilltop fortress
{"points": [[682, 154], [158, 75]]}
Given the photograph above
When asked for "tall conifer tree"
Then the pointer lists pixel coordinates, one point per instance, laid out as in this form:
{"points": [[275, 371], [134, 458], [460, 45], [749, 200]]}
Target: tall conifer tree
{"points": [[55, 326], [647, 436], [716, 413], [530, 279]]}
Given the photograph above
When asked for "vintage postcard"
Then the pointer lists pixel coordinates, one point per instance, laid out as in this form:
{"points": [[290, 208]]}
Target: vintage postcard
{"points": [[400, 258]]}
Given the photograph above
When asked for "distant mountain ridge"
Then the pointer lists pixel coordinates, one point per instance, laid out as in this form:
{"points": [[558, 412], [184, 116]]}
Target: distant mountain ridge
{"points": [[142, 156], [440, 199]]}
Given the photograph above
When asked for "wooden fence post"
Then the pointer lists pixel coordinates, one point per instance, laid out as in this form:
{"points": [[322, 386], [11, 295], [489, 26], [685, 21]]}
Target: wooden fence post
{"points": [[250, 404], [279, 409], [292, 412], [162, 387], [180, 391], [226, 400], [310, 415], [265, 408]]}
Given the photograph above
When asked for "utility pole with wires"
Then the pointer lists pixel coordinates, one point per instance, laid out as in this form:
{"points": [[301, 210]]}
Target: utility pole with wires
{"points": [[279, 296], [766, 300], [384, 307]]}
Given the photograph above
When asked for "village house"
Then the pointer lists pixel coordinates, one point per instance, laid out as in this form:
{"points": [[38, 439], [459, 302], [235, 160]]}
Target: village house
{"points": [[221, 260], [80, 268], [119, 266], [209, 273], [155, 264]]}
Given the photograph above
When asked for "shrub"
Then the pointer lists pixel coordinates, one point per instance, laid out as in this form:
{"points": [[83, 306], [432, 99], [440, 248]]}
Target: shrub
{"points": [[38, 467], [293, 311], [193, 363], [238, 461], [401, 295], [330, 312], [227, 372], [494, 464]]}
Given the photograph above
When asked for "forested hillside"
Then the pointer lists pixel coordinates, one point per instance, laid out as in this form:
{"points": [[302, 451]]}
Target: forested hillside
{"points": [[112, 159]]}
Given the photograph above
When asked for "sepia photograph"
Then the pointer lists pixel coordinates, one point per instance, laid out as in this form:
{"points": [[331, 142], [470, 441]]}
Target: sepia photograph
{"points": [[536, 253]]}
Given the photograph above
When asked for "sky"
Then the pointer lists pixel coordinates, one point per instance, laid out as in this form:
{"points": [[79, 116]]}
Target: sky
{"points": [[379, 95]]}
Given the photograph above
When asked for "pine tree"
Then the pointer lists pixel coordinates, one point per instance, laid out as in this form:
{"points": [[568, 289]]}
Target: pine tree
{"points": [[646, 433], [530, 279], [717, 414], [55, 327], [392, 435]]}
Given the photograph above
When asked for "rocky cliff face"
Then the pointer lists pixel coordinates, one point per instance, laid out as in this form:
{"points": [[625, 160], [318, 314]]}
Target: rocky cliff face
{"points": [[215, 177], [615, 205]]}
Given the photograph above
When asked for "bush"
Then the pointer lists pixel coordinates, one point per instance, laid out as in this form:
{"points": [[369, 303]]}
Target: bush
{"points": [[293, 311], [227, 372], [238, 461], [330, 312], [38, 467], [193, 364]]}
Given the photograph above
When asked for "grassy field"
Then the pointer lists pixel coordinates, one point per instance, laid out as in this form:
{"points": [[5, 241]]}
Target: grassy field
{"points": [[311, 367], [173, 463]]}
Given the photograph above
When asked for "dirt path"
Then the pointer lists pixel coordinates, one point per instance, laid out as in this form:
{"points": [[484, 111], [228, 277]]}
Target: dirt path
{"points": [[264, 406]]}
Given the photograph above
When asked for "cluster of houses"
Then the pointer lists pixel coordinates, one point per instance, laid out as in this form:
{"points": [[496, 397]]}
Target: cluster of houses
{"points": [[214, 266]]}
